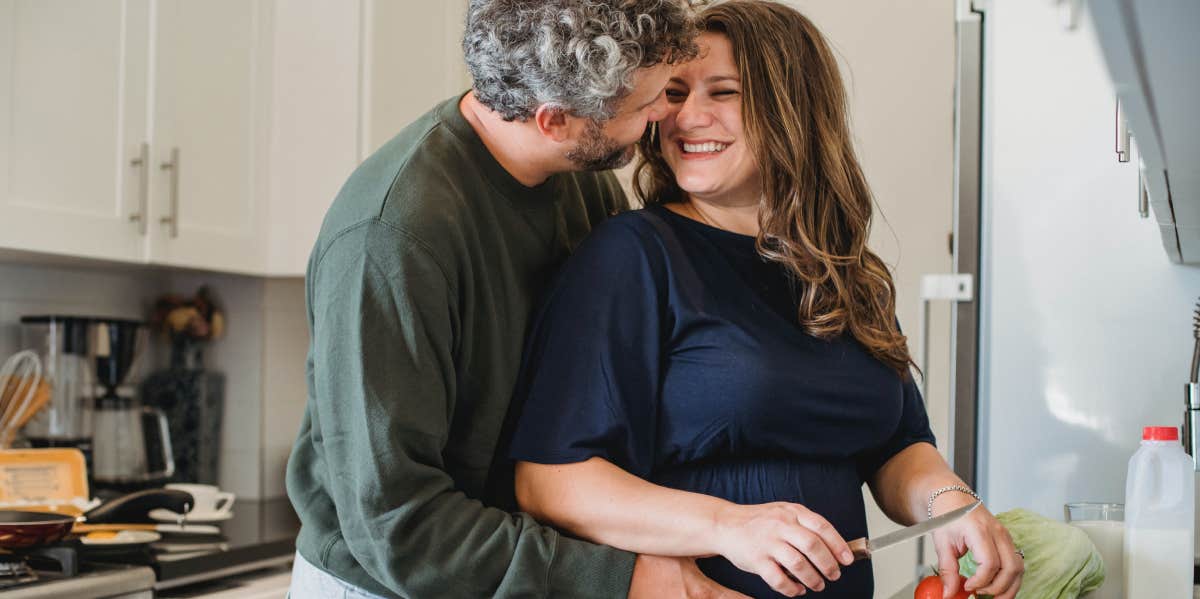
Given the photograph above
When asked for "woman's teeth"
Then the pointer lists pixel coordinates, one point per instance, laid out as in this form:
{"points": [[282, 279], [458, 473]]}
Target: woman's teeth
{"points": [[711, 146]]}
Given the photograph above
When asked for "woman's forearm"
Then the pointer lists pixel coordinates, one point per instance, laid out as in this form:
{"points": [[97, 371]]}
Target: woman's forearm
{"points": [[600, 502], [902, 486]]}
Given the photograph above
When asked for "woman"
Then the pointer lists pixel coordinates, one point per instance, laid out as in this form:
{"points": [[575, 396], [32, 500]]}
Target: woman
{"points": [[717, 375]]}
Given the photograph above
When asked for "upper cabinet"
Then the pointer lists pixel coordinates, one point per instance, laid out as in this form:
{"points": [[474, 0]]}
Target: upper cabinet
{"points": [[315, 122], [209, 147], [74, 126], [412, 60], [208, 134], [1151, 50]]}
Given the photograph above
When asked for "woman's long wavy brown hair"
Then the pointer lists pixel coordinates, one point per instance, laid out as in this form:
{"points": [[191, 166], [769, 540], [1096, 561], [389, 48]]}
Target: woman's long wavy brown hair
{"points": [[816, 210]]}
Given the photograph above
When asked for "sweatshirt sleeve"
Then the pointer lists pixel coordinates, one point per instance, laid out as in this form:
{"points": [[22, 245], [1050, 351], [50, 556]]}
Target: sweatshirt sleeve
{"points": [[384, 330]]}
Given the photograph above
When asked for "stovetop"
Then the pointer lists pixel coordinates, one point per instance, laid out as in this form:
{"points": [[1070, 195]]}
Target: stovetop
{"points": [[260, 534], [61, 571]]}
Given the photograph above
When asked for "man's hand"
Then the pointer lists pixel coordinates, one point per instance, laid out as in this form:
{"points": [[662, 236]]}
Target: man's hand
{"points": [[670, 577]]}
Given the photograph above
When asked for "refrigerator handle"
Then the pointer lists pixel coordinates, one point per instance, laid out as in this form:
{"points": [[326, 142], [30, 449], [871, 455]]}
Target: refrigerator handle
{"points": [[1143, 197]]}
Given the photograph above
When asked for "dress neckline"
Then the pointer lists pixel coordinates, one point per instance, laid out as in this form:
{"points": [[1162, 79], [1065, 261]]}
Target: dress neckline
{"points": [[738, 239]]}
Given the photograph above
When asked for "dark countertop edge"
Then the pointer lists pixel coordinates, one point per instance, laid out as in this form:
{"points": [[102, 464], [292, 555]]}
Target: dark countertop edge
{"points": [[218, 564]]}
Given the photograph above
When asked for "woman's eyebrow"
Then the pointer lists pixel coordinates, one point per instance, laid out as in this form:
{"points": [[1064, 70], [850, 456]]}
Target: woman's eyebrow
{"points": [[710, 79]]}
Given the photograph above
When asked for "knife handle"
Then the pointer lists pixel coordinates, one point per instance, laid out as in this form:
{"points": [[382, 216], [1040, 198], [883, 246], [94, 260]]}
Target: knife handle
{"points": [[861, 548]]}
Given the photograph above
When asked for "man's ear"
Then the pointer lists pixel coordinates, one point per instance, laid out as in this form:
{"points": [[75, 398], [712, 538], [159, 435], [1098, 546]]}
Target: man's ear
{"points": [[553, 122]]}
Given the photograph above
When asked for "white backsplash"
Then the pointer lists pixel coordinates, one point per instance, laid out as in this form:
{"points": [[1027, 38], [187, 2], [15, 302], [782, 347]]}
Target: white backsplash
{"points": [[262, 354]]}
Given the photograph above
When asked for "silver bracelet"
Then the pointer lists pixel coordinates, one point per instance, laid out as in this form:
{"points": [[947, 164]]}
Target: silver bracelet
{"points": [[959, 488]]}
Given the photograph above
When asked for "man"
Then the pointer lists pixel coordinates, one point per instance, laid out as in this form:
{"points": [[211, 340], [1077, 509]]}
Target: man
{"points": [[419, 290]]}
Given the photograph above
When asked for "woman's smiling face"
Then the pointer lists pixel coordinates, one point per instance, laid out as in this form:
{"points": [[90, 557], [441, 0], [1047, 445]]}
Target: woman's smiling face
{"points": [[702, 139]]}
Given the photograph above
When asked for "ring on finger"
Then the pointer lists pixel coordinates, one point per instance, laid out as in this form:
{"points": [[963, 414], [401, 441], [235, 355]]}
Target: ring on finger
{"points": [[1020, 554]]}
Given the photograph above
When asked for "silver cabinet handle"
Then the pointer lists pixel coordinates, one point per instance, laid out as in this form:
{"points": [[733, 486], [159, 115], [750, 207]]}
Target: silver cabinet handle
{"points": [[172, 218], [1122, 134], [1068, 13], [1143, 197], [142, 162]]}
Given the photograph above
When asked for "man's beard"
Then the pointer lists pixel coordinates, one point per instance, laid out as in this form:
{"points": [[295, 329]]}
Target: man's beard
{"points": [[598, 152]]}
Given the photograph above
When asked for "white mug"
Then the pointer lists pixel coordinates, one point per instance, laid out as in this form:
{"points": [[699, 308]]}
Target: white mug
{"points": [[209, 500]]}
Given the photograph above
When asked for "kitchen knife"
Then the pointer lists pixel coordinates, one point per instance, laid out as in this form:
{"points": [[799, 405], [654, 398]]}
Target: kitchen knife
{"points": [[863, 548]]}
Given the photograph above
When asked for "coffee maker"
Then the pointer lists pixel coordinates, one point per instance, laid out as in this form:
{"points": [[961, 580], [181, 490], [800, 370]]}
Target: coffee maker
{"points": [[131, 443], [88, 362]]}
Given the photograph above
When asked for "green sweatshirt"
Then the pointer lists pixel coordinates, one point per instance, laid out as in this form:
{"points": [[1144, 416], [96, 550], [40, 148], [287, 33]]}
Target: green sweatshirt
{"points": [[419, 290]]}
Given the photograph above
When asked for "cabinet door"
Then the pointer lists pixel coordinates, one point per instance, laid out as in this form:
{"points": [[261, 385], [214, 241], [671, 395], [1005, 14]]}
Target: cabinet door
{"points": [[412, 59], [314, 126], [72, 118], [211, 84]]}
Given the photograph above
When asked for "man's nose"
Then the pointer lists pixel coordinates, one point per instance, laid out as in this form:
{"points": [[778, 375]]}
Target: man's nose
{"points": [[660, 109]]}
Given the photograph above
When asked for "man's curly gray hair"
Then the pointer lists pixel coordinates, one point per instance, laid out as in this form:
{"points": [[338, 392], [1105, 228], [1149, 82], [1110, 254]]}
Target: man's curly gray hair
{"points": [[578, 55]]}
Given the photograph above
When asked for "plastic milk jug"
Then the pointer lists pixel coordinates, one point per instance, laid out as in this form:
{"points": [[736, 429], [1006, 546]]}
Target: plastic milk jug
{"points": [[1159, 518]]}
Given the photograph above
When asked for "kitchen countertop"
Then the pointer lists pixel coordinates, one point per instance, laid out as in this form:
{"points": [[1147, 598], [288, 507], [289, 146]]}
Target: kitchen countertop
{"points": [[261, 534], [110, 581]]}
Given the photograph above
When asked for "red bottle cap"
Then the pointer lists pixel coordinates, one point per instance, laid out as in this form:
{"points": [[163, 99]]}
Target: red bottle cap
{"points": [[1160, 433]]}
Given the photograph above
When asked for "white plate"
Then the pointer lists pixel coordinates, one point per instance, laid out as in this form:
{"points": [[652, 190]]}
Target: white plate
{"points": [[125, 537], [163, 515]]}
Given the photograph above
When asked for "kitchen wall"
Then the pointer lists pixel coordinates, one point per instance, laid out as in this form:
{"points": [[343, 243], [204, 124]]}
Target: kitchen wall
{"points": [[262, 357], [1087, 327], [30, 288], [262, 354]]}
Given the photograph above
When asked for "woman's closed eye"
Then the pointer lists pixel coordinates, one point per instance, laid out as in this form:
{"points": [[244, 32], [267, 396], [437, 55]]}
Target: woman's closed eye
{"points": [[676, 95]]}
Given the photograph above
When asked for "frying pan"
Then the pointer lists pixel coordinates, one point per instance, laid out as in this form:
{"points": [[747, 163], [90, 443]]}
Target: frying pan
{"points": [[22, 530]]}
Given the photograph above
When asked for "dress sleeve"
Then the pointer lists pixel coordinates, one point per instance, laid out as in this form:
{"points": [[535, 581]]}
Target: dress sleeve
{"points": [[913, 428], [590, 378]]}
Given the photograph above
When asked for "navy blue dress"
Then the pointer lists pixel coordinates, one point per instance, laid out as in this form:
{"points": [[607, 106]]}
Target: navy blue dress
{"points": [[672, 350]]}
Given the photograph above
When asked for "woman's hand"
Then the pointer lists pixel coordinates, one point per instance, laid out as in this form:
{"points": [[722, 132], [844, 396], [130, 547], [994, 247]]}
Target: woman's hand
{"points": [[783, 543], [1000, 566]]}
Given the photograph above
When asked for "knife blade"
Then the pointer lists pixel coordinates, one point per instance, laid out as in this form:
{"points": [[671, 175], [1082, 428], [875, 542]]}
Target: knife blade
{"points": [[863, 548]]}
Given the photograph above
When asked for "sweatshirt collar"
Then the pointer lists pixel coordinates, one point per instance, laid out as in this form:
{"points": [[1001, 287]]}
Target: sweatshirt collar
{"points": [[519, 194]]}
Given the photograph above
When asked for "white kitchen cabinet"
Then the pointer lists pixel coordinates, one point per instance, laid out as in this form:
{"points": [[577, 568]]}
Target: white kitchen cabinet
{"points": [[413, 59], [364, 71], [211, 124], [252, 113], [315, 132], [1150, 50], [138, 130], [72, 118]]}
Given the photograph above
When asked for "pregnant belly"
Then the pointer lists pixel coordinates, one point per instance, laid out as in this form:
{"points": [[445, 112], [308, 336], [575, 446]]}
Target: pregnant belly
{"points": [[831, 489]]}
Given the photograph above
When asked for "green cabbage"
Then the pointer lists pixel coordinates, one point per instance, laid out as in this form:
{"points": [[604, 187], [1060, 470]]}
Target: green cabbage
{"points": [[1060, 560]]}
